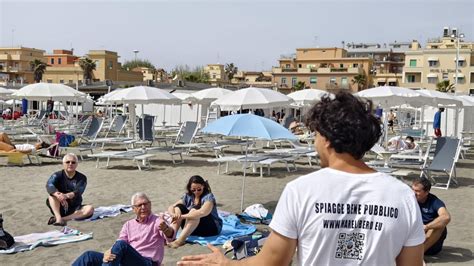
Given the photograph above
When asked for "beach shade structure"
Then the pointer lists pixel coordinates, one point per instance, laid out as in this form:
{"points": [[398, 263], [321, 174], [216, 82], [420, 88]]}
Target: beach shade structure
{"points": [[209, 95], [185, 99], [441, 98], [140, 95], [308, 97], [49, 91], [248, 125], [389, 96], [4, 93], [252, 98]]}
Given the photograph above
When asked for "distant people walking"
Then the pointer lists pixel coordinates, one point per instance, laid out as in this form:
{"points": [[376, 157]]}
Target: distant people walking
{"points": [[65, 189], [435, 216], [391, 120], [341, 214], [437, 123]]}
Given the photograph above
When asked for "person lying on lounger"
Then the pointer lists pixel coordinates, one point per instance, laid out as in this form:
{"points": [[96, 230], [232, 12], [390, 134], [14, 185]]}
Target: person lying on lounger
{"points": [[8, 146], [396, 143], [195, 212], [65, 189], [141, 240]]}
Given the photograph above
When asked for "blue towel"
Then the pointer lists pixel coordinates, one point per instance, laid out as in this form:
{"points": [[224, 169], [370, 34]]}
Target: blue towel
{"points": [[231, 228], [250, 219]]}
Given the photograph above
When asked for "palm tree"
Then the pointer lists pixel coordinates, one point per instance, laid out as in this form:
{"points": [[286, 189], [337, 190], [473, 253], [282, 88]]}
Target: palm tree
{"points": [[360, 80], [445, 86], [299, 85], [88, 66], [39, 67], [230, 70]]}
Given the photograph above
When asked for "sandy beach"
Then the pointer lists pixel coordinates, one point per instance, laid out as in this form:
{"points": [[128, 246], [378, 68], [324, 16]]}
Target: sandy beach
{"points": [[23, 195]]}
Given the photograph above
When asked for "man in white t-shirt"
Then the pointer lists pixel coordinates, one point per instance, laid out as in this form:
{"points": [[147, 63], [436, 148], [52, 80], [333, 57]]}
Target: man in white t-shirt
{"points": [[345, 213]]}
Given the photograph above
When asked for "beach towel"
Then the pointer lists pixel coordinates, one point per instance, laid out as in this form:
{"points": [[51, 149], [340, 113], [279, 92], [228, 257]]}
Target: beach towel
{"points": [[231, 229], [109, 211], [249, 219], [50, 238]]}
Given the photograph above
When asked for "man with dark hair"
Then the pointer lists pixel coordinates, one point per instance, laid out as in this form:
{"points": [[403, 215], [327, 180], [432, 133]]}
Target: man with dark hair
{"points": [[437, 123], [341, 214], [435, 216]]}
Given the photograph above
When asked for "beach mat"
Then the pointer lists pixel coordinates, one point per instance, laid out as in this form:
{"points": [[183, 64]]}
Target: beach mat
{"points": [[231, 229], [109, 211], [47, 239]]}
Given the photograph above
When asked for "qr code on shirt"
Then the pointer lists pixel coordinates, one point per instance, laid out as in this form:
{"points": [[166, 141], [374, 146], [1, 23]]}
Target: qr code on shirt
{"points": [[350, 246]]}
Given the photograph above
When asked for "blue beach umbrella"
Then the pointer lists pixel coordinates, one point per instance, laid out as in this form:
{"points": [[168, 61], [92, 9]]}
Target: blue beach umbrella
{"points": [[248, 125]]}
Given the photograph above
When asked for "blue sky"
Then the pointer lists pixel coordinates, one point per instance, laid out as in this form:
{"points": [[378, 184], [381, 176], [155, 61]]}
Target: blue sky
{"points": [[251, 34]]}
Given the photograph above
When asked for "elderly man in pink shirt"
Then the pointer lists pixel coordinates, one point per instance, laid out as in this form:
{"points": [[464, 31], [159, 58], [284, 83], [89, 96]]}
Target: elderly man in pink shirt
{"points": [[141, 240]]}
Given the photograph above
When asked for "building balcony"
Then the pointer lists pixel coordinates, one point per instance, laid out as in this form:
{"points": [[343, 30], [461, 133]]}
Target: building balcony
{"points": [[289, 70], [409, 69]]}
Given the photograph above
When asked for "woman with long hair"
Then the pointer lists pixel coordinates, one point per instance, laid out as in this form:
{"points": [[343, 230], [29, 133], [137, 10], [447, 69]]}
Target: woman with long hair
{"points": [[195, 212]]}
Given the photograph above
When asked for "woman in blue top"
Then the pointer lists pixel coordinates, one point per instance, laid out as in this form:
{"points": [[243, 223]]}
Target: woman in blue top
{"points": [[195, 212]]}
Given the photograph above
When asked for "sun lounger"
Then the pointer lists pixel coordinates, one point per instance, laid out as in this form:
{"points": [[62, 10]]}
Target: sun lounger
{"points": [[134, 155]]}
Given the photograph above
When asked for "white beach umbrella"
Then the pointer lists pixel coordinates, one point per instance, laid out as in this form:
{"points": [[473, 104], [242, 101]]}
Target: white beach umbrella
{"points": [[49, 91], [441, 98], [307, 97], [209, 95], [388, 96], [252, 98], [4, 93]]}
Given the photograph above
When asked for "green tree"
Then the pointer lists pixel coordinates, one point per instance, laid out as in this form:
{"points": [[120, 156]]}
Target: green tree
{"points": [[88, 66], [360, 80], [193, 75], [129, 65], [299, 85], [445, 86], [39, 67], [230, 70]]}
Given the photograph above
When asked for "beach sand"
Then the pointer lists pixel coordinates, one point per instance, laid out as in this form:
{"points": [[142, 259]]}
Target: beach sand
{"points": [[23, 195]]}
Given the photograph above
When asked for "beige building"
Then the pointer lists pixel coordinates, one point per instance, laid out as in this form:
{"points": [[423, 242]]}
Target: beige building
{"points": [[15, 64], [424, 68], [321, 68], [216, 74], [253, 78]]}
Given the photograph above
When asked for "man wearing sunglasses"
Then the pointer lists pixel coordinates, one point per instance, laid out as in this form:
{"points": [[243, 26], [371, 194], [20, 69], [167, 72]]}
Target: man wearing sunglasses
{"points": [[141, 240], [65, 189]]}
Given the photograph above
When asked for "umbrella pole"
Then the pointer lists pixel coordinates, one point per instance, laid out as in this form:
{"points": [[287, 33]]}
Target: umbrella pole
{"points": [[143, 123], [243, 179]]}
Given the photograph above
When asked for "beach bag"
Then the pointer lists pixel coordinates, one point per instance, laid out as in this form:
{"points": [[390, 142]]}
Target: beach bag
{"points": [[6, 240], [64, 139], [250, 245]]}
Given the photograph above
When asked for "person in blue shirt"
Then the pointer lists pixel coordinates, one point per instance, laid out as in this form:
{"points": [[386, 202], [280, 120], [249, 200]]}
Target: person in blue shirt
{"points": [[196, 212], [437, 122], [65, 189], [434, 214]]}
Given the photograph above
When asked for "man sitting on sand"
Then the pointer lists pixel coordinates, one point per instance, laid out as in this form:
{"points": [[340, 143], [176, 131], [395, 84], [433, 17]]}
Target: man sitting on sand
{"points": [[65, 189], [341, 214], [435, 216], [7, 145], [141, 240]]}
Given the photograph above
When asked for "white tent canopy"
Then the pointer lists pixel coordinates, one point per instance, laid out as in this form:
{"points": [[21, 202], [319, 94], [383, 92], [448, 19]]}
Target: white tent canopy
{"points": [[252, 98], [4, 93], [49, 91], [388, 96], [307, 97], [441, 98], [141, 95], [209, 95]]}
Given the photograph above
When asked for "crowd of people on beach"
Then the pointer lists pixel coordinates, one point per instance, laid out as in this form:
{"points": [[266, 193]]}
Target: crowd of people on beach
{"points": [[340, 214]]}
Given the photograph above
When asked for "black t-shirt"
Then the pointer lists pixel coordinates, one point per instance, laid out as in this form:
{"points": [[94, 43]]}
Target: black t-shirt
{"points": [[429, 209], [60, 182]]}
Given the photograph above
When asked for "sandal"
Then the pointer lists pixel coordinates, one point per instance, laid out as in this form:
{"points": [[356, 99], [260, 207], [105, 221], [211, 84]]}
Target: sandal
{"points": [[63, 223], [51, 220]]}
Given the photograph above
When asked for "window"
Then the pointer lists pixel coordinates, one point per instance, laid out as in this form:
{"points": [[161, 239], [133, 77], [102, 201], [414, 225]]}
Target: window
{"points": [[61, 80], [412, 62], [344, 81], [300, 66], [433, 63], [52, 61], [111, 64], [213, 76], [411, 78], [355, 65], [294, 80], [332, 80], [460, 63], [59, 61], [445, 76], [341, 65], [432, 80], [287, 66], [283, 80], [313, 80], [49, 81], [70, 81]]}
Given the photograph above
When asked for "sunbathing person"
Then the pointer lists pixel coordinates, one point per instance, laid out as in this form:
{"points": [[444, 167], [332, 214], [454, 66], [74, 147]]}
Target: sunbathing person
{"points": [[195, 212], [141, 240], [65, 189], [396, 143], [7, 145], [295, 127]]}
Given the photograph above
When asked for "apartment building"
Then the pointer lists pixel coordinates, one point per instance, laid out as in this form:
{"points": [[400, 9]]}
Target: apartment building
{"points": [[389, 60], [426, 67], [216, 74], [262, 79], [15, 64], [321, 68]]}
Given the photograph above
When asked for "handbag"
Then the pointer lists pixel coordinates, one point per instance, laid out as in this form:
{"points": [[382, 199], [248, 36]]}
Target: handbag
{"points": [[6, 240]]}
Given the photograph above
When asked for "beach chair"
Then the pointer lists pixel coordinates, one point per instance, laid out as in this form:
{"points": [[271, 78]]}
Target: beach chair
{"points": [[139, 156], [112, 136], [86, 140], [444, 162]]}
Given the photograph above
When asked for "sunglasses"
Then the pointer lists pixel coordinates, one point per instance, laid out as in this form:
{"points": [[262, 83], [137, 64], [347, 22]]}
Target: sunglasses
{"points": [[197, 189], [144, 204], [70, 162]]}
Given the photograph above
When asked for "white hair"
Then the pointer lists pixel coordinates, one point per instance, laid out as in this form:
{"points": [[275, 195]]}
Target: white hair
{"points": [[139, 195], [70, 155]]}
